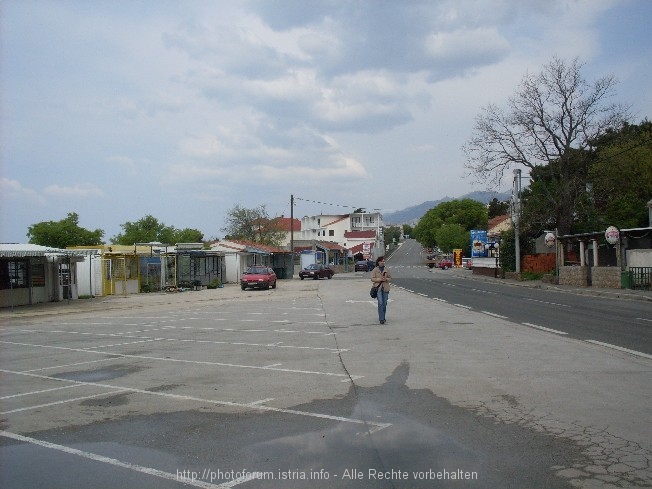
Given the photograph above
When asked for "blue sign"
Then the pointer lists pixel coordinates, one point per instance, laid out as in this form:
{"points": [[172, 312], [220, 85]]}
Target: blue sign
{"points": [[478, 242]]}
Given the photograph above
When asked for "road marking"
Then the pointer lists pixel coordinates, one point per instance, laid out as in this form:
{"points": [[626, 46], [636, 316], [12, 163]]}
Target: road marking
{"points": [[494, 315], [620, 348], [543, 328], [463, 306], [113, 461], [374, 424], [69, 365], [262, 401], [39, 392], [176, 360], [49, 404], [645, 319], [548, 302]]}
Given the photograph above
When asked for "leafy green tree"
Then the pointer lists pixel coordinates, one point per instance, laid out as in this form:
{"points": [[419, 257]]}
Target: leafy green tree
{"points": [[150, 230], [497, 208], [621, 176], [542, 206], [408, 230], [553, 114], [467, 213], [252, 225], [452, 236], [64, 233], [392, 234]]}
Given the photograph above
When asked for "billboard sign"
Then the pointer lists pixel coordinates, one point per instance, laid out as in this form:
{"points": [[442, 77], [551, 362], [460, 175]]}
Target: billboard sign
{"points": [[478, 244]]}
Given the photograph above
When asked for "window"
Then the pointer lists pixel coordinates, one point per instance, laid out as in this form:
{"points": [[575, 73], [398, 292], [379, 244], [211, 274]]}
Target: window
{"points": [[13, 274], [331, 232]]}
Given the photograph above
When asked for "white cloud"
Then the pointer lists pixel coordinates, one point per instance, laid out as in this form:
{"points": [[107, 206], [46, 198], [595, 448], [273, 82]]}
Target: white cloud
{"points": [[13, 190], [81, 190], [164, 108]]}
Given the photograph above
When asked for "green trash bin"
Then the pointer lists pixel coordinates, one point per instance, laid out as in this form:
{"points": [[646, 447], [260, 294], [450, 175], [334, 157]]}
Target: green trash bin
{"points": [[626, 279]]}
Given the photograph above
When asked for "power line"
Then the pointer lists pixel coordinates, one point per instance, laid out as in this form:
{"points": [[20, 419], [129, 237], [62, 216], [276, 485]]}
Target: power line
{"points": [[334, 205]]}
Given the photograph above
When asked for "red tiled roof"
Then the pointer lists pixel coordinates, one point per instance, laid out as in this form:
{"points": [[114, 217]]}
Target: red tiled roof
{"points": [[283, 224], [494, 221], [252, 244], [359, 248], [330, 246]]}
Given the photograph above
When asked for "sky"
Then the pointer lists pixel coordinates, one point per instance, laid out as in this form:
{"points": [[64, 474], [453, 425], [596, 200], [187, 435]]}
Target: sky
{"points": [[183, 109]]}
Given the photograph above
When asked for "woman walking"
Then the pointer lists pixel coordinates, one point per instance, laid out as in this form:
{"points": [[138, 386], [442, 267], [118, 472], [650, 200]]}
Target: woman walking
{"points": [[380, 277]]}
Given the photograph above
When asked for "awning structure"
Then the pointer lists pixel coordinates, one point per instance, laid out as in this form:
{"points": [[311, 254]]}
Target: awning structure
{"points": [[31, 250]]}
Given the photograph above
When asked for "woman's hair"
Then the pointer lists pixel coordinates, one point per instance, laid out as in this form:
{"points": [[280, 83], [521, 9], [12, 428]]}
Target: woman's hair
{"points": [[379, 259]]}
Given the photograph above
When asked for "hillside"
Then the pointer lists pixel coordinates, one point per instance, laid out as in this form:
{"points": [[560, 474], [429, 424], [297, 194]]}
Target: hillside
{"points": [[411, 215]]}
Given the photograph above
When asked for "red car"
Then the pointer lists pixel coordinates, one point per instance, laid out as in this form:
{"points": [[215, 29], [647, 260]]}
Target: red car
{"points": [[445, 264], [316, 271], [258, 277]]}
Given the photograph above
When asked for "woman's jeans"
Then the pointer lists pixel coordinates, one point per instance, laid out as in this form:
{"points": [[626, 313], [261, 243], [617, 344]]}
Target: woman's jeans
{"points": [[383, 297]]}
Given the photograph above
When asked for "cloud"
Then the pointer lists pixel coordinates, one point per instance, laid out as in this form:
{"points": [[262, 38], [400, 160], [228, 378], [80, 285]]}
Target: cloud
{"points": [[13, 190], [82, 190]]}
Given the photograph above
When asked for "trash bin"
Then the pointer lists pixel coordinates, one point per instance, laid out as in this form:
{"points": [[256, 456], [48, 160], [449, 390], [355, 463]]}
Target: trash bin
{"points": [[626, 279]]}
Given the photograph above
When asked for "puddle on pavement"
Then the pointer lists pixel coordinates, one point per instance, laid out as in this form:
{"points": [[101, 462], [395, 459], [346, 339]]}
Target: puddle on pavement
{"points": [[99, 375], [428, 436]]}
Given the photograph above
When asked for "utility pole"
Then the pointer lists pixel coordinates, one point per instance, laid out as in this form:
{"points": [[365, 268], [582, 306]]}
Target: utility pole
{"points": [[292, 229], [516, 215]]}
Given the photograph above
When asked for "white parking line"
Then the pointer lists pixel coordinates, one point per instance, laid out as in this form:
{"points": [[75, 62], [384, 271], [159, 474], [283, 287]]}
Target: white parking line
{"points": [[112, 461], [69, 365], [543, 328], [620, 348], [494, 315], [40, 392], [375, 426], [176, 360], [145, 339], [49, 404]]}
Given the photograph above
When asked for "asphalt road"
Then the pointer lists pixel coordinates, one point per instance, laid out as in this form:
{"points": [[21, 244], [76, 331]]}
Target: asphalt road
{"points": [[620, 323], [300, 387]]}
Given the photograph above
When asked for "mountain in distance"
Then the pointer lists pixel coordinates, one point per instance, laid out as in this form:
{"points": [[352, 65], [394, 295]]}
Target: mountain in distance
{"points": [[411, 215]]}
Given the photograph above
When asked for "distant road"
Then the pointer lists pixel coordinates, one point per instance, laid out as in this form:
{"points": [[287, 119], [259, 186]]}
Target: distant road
{"points": [[618, 323]]}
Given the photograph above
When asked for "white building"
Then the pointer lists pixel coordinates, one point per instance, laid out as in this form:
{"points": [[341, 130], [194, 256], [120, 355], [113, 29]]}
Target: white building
{"points": [[362, 230]]}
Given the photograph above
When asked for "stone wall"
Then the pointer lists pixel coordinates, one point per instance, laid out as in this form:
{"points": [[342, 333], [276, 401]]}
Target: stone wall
{"points": [[576, 276], [608, 277]]}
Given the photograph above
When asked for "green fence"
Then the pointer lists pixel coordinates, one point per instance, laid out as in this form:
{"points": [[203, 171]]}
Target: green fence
{"points": [[638, 278]]}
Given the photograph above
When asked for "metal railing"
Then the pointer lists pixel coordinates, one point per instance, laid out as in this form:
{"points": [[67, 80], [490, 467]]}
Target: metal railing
{"points": [[641, 277]]}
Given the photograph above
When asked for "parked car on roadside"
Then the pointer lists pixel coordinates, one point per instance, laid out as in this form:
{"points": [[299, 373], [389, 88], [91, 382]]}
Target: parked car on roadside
{"points": [[467, 263], [445, 263], [258, 277], [316, 271], [362, 266]]}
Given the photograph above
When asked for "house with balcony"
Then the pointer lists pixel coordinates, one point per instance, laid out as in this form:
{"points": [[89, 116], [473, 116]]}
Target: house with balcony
{"points": [[358, 232]]}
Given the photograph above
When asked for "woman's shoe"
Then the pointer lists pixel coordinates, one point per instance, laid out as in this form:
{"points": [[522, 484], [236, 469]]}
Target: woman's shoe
{"points": [[382, 321]]}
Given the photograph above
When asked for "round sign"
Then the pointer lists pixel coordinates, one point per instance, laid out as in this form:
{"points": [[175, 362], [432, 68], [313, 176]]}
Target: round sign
{"points": [[550, 240], [612, 235]]}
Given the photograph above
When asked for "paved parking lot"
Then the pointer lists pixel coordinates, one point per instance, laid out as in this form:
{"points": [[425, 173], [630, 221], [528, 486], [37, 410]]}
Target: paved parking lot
{"points": [[265, 389]]}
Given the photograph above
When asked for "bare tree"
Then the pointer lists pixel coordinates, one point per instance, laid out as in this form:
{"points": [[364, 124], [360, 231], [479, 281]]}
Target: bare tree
{"points": [[252, 225], [553, 114]]}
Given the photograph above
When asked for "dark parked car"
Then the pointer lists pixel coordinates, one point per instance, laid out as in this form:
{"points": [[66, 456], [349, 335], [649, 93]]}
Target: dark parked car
{"points": [[316, 271], [258, 278], [362, 266]]}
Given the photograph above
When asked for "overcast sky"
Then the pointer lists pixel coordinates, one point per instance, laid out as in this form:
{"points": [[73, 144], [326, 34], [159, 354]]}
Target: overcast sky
{"points": [[116, 109]]}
